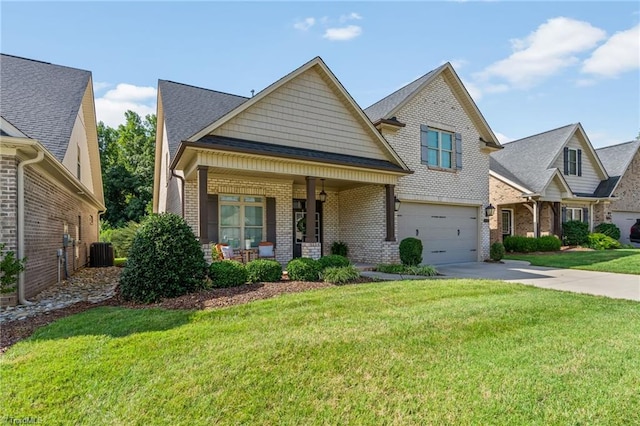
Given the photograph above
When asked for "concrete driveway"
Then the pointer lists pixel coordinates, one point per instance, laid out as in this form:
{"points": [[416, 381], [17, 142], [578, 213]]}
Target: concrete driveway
{"points": [[617, 286]]}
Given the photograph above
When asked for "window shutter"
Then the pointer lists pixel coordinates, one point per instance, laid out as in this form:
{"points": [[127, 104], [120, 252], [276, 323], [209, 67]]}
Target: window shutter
{"points": [[424, 154], [458, 150], [564, 214], [585, 215], [271, 220], [566, 160], [212, 219], [579, 162]]}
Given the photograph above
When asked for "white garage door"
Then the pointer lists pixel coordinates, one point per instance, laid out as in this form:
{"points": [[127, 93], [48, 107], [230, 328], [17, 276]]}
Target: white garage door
{"points": [[624, 220], [449, 234]]}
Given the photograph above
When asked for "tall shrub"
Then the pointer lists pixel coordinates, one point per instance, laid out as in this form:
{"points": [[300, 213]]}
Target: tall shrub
{"points": [[497, 251], [165, 260], [411, 251], [575, 233], [10, 268], [609, 229]]}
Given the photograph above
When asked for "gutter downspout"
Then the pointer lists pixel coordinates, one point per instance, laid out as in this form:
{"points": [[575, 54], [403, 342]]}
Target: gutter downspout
{"points": [[173, 173], [20, 249]]}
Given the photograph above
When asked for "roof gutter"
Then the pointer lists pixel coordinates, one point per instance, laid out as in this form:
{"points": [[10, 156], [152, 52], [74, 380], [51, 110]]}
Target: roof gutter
{"points": [[20, 249]]}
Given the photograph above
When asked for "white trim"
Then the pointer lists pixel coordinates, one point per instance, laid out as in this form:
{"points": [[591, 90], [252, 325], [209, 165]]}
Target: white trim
{"points": [[11, 129]]}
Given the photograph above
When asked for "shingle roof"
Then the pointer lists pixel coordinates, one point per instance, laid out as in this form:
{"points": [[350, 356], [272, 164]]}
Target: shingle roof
{"points": [[189, 109], [255, 147], [529, 160], [42, 99], [384, 106], [616, 158]]}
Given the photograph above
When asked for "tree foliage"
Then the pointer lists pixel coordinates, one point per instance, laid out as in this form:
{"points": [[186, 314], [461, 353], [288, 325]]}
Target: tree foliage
{"points": [[127, 159]]}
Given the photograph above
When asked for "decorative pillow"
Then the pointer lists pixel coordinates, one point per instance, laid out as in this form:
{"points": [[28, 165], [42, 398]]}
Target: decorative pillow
{"points": [[227, 252], [265, 251]]}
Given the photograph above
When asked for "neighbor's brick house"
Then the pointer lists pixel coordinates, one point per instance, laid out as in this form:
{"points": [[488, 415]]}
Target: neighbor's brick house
{"points": [[48, 129]]}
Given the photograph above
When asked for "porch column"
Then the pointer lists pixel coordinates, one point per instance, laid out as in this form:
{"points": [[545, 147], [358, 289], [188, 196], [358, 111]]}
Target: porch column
{"points": [[557, 219], [536, 220], [311, 210], [390, 212], [203, 216]]}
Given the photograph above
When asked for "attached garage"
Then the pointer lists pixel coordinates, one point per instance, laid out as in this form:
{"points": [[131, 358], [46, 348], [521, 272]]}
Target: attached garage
{"points": [[624, 220], [449, 234]]}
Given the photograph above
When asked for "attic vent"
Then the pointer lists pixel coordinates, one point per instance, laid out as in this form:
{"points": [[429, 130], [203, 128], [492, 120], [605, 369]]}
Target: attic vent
{"points": [[252, 92]]}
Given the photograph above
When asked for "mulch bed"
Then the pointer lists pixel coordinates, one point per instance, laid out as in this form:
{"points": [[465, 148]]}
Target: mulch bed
{"points": [[13, 331]]}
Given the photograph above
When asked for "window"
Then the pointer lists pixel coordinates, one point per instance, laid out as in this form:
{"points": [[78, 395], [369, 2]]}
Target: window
{"points": [[241, 218], [574, 214], [573, 161], [507, 222], [78, 170], [437, 148]]}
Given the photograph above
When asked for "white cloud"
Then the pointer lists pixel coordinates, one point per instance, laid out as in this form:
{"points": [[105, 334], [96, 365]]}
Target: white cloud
{"points": [[110, 108], [546, 51], [305, 24], [100, 85], [457, 63], [502, 138], [473, 90], [585, 82], [619, 54], [342, 34], [350, 17]]}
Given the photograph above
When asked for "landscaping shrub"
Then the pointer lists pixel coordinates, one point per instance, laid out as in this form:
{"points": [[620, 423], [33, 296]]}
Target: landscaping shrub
{"points": [[396, 268], [575, 233], [340, 274], [10, 268], [303, 269], [228, 273], [264, 270], [609, 229], [548, 243], [390, 268], [599, 241], [497, 251], [411, 251], [339, 248], [516, 243], [333, 260], [165, 260], [120, 238]]}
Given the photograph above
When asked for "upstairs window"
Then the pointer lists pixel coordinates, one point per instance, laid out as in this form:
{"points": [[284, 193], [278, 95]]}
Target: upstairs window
{"points": [[572, 161], [441, 149], [78, 169]]}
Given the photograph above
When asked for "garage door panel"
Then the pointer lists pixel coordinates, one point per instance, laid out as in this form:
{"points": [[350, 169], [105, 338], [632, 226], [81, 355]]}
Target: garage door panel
{"points": [[624, 220], [449, 234]]}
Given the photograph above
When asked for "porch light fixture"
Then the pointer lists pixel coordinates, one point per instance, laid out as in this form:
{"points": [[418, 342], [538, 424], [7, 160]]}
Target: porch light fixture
{"points": [[489, 210], [396, 203], [323, 195]]}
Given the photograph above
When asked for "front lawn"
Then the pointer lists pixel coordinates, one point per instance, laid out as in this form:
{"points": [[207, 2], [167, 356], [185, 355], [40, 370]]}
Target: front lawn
{"points": [[411, 352], [623, 261]]}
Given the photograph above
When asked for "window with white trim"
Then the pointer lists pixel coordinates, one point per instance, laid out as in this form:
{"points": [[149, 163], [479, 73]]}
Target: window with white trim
{"points": [[574, 214], [436, 147], [572, 161], [242, 217]]}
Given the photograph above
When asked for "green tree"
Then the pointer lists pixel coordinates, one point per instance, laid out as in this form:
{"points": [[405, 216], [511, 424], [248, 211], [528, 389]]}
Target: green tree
{"points": [[127, 157]]}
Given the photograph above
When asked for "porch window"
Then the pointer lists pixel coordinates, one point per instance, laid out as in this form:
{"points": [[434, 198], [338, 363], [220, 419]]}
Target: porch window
{"points": [[574, 214], [241, 218]]}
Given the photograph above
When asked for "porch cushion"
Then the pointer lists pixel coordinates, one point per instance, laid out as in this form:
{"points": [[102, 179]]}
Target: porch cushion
{"points": [[227, 252], [265, 251]]}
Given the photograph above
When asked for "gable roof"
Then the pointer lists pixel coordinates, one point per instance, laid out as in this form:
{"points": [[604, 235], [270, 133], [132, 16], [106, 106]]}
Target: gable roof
{"points": [[42, 99], [188, 109], [387, 107], [616, 158]]}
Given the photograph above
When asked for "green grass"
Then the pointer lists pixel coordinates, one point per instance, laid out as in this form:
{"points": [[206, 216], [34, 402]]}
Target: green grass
{"points": [[120, 261], [411, 352], [623, 261]]}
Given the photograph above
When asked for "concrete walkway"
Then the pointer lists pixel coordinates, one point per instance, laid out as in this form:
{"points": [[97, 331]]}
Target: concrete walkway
{"points": [[617, 286]]}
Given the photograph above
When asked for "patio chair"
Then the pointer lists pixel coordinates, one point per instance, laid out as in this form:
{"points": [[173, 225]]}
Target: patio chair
{"points": [[228, 253], [266, 250]]}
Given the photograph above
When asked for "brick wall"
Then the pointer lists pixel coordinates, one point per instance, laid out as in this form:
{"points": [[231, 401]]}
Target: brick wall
{"points": [[8, 201], [628, 190]]}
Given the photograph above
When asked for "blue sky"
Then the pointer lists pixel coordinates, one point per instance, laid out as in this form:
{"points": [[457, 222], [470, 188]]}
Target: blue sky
{"points": [[530, 66]]}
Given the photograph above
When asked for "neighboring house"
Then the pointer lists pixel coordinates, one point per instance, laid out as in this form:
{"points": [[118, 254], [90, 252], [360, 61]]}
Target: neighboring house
{"points": [[539, 182], [622, 162], [50, 179], [253, 169], [437, 129]]}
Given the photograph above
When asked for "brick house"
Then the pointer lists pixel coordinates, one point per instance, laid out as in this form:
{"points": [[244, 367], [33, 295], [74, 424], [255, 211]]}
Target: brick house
{"points": [[622, 162], [241, 170], [541, 181], [50, 177]]}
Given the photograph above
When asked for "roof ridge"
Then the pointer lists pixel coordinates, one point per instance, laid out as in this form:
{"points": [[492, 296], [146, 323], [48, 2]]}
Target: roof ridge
{"points": [[617, 144], [204, 88], [44, 62], [541, 133]]}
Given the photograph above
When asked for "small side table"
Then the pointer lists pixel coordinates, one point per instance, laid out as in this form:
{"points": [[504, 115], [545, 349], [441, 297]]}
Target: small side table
{"points": [[249, 254]]}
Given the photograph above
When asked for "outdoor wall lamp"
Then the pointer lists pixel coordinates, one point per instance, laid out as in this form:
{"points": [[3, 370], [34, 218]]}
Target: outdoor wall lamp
{"points": [[323, 195], [396, 203], [489, 210]]}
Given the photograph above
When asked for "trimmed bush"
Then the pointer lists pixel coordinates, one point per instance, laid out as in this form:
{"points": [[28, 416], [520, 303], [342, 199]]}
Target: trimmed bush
{"points": [[548, 243], [303, 269], [339, 248], [340, 274], [575, 233], [165, 260], [264, 270], [395, 268], [516, 243], [609, 229], [497, 251], [10, 268], [599, 241], [333, 260], [391, 268], [227, 273], [411, 251]]}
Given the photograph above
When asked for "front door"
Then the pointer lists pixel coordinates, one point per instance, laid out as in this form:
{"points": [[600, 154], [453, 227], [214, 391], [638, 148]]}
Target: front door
{"points": [[300, 224], [507, 223]]}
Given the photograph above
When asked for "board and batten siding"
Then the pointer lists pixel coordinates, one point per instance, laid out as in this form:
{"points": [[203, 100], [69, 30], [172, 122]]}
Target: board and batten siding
{"points": [[591, 177], [305, 113]]}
